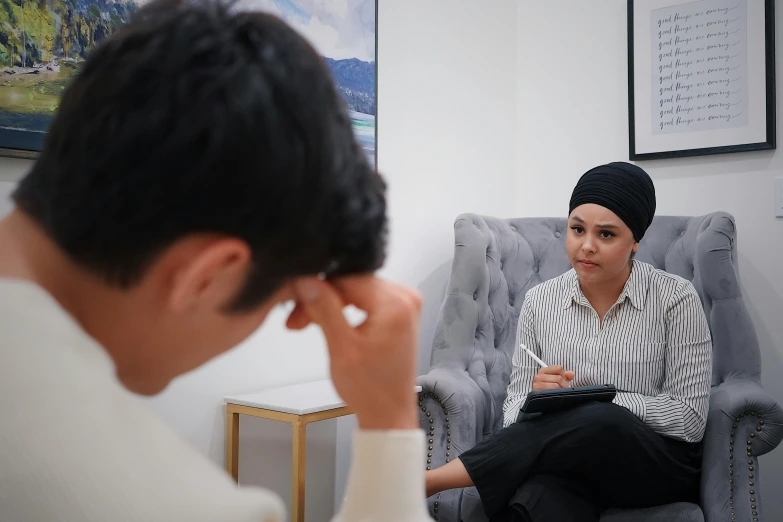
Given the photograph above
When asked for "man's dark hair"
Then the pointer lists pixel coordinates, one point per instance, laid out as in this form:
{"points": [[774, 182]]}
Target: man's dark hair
{"points": [[199, 118]]}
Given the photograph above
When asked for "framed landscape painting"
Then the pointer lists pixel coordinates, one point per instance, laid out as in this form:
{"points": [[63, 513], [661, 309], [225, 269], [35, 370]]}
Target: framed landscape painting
{"points": [[43, 43]]}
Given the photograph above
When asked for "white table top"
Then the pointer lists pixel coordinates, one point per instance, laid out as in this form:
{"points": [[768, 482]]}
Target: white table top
{"points": [[299, 399]]}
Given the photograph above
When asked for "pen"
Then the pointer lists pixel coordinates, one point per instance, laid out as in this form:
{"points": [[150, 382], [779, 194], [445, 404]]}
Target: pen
{"points": [[537, 359], [534, 356]]}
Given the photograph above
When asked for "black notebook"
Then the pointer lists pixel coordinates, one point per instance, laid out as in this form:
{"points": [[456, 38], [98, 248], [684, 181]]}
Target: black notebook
{"points": [[548, 401]]}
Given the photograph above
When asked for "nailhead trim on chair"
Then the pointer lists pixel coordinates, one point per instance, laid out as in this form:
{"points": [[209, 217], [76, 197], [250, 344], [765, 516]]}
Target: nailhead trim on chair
{"points": [[431, 435], [751, 465]]}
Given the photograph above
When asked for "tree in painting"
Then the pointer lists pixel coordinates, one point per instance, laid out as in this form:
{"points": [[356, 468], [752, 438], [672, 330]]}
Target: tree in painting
{"points": [[42, 43]]}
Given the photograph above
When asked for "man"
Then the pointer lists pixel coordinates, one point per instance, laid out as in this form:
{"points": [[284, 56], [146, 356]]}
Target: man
{"points": [[200, 170]]}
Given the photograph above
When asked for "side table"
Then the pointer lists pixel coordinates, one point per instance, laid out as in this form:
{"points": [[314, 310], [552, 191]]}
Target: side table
{"points": [[299, 405]]}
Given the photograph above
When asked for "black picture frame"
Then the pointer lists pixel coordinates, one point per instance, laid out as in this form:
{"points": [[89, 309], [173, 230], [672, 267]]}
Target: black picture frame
{"points": [[770, 88], [377, 36], [17, 143]]}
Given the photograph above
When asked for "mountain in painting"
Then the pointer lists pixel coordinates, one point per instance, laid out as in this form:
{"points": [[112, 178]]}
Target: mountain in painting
{"points": [[355, 80]]}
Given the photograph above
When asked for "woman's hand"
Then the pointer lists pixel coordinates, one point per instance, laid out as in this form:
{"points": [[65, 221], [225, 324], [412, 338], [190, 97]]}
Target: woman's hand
{"points": [[552, 377]]}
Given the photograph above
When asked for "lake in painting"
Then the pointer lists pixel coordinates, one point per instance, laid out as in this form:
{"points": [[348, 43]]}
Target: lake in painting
{"points": [[42, 43]]}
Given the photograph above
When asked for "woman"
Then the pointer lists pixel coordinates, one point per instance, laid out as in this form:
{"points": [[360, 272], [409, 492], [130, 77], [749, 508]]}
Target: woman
{"points": [[611, 319]]}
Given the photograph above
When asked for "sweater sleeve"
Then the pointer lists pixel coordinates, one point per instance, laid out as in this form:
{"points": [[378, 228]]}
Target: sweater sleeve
{"points": [[386, 483]]}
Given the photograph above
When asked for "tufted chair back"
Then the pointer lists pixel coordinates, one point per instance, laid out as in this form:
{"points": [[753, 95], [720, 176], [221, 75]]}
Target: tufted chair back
{"points": [[496, 261]]}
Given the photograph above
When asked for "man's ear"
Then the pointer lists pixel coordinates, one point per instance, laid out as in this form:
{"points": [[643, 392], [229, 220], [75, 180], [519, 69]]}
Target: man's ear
{"points": [[211, 274], [635, 247]]}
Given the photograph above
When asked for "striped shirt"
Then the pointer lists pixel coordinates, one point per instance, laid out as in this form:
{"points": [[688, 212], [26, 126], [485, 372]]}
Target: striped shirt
{"points": [[654, 345]]}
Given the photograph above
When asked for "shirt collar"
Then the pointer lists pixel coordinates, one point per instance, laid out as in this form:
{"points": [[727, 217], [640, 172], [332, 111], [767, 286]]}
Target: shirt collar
{"points": [[635, 289], [574, 291]]}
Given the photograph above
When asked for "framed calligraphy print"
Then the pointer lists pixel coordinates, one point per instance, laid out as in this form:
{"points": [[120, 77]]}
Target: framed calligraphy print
{"points": [[701, 77]]}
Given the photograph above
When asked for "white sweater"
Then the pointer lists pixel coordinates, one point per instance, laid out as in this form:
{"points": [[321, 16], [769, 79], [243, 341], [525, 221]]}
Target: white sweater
{"points": [[75, 446]]}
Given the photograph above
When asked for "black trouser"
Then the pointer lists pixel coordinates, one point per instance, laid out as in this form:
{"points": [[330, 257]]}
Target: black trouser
{"points": [[570, 466]]}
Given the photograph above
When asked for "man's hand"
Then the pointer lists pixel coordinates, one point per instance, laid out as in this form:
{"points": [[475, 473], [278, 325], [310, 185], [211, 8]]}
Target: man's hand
{"points": [[552, 377], [373, 365]]}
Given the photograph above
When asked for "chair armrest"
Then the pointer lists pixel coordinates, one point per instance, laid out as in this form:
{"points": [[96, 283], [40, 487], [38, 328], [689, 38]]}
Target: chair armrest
{"points": [[452, 413], [745, 403], [451, 393], [743, 423]]}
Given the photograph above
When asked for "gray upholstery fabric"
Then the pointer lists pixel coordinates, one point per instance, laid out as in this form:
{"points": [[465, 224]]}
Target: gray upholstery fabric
{"points": [[679, 512], [496, 261], [472, 511]]}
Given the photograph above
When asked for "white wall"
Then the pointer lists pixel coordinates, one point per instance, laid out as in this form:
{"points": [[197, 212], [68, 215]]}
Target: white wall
{"points": [[446, 145], [11, 169], [446, 130], [573, 114]]}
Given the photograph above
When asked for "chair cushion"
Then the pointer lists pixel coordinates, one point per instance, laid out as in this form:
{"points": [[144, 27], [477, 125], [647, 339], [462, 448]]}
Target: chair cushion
{"points": [[679, 512], [471, 511]]}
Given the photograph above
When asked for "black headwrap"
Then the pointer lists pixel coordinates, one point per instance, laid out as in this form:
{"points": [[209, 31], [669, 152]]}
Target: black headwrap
{"points": [[623, 188]]}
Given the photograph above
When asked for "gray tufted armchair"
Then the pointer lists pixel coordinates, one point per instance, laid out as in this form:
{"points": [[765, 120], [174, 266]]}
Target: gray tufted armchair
{"points": [[496, 261]]}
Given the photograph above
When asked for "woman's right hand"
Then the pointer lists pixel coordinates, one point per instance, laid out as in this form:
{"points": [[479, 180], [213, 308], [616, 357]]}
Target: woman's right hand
{"points": [[552, 377]]}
